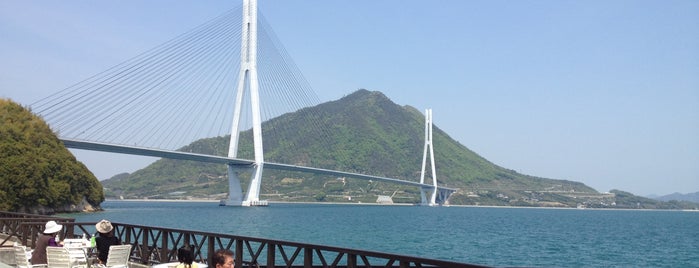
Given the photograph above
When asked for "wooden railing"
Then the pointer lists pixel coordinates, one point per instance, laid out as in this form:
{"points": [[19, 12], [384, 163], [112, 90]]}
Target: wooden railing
{"points": [[152, 245], [25, 227]]}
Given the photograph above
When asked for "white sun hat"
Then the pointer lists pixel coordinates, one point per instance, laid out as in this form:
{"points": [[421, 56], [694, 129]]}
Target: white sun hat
{"points": [[104, 226], [52, 227]]}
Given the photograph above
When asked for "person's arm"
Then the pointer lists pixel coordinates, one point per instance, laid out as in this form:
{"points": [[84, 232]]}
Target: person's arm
{"points": [[52, 243]]}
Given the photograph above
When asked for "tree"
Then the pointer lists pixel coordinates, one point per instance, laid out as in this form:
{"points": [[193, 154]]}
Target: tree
{"points": [[36, 170]]}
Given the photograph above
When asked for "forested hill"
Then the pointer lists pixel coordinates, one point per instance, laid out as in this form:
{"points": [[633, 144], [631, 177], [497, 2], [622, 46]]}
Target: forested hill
{"points": [[37, 173], [364, 132]]}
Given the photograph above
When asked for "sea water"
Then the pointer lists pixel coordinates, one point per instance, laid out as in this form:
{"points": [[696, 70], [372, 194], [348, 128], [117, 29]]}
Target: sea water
{"points": [[530, 237]]}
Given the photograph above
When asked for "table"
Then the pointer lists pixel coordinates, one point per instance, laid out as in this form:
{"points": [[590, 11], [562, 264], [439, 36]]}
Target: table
{"points": [[79, 250], [174, 264]]}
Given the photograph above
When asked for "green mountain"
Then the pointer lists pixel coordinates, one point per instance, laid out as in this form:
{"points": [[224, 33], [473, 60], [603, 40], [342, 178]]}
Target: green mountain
{"points": [[37, 173], [364, 132]]}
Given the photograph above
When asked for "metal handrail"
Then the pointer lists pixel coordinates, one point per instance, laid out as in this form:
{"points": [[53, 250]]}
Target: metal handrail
{"points": [[153, 245]]}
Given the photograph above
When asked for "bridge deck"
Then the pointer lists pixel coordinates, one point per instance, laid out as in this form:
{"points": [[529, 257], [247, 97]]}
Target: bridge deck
{"points": [[125, 149]]}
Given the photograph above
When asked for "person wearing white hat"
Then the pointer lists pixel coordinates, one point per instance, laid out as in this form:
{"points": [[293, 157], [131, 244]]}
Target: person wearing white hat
{"points": [[46, 239], [105, 239]]}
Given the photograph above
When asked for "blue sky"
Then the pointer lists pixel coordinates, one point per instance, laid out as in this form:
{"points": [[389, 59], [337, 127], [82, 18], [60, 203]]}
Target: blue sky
{"points": [[602, 92]]}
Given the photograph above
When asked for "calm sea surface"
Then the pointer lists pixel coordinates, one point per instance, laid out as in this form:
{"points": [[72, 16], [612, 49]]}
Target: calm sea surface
{"points": [[478, 235]]}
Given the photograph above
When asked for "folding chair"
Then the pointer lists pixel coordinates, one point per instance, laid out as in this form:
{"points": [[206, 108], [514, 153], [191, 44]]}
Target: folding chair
{"points": [[59, 257], [118, 256], [21, 258]]}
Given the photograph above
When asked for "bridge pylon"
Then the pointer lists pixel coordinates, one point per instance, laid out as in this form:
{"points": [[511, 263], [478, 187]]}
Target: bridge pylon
{"points": [[247, 80], [428, 146]]}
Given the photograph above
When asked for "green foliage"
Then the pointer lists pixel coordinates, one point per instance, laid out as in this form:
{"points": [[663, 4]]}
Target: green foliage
{"points": [[629, 200], [36, 169], [320, 197]]}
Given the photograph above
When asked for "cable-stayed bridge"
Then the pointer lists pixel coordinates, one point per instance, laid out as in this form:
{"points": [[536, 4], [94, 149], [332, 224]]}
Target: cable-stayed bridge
{"points": [[213, 81]]}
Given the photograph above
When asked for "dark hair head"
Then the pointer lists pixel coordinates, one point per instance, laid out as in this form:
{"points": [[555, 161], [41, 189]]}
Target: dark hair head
{"points": [[220, 256], [185, 255]]}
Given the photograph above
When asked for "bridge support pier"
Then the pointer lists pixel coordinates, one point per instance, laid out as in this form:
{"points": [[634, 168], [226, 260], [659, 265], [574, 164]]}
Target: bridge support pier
{"points": [[235, 192], [443, 196], [440, 196], [252, 197]]}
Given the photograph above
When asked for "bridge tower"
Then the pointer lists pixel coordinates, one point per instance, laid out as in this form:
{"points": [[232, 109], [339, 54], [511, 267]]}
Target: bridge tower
{"points": [[428, 144], [247, 80]]}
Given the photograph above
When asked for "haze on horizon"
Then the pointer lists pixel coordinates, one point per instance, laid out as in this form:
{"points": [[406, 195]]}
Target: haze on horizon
{"points": [[605, 93]]}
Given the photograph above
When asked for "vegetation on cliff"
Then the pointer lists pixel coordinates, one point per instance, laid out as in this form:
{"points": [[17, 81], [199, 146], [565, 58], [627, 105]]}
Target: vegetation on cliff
{"points": [[37, 173]]}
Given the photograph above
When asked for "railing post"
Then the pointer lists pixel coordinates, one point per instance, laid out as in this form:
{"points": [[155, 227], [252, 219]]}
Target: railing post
{"points": [[145, 241], [33, 234], [271, 253], [164, 247], [24, 234], [238, 252], [307, 257], [127, 235], [211, 248], [351, 260], [70, 229]]}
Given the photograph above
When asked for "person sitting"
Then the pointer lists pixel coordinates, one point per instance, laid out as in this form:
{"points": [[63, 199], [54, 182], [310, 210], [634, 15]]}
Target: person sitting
{"points": [[185, 255], [223, 258], [104, 240], [46, 239]]}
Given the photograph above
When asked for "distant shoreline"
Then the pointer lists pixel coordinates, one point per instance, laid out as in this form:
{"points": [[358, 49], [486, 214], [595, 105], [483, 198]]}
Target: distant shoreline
{"points": [[394, 204], [271, 202], [164, 200]]}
